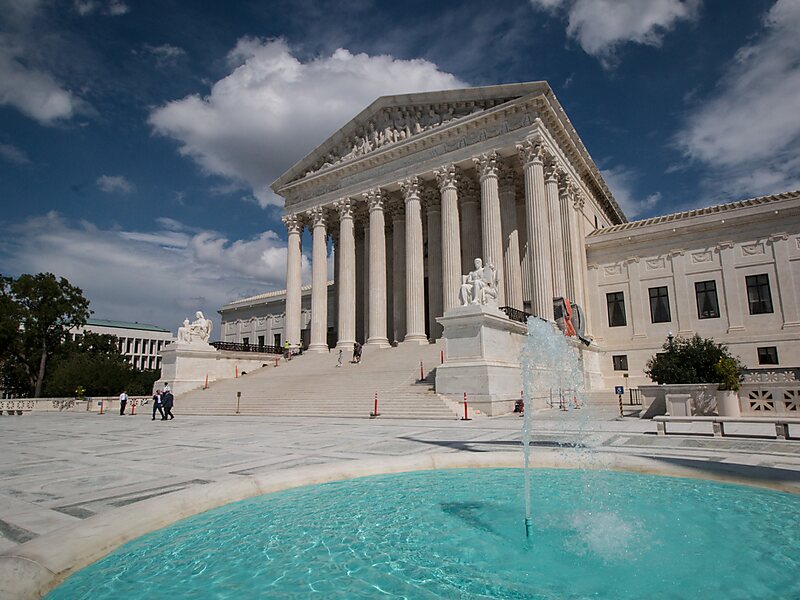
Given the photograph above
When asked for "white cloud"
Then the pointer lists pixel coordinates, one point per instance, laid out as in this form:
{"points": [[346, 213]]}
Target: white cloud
{"points": [[622, 181], [115, 183], [158, 276], [601, 26], [113, 8], [33, 92], [165, 54], [13, 155], [272, 109], [747, 133]]}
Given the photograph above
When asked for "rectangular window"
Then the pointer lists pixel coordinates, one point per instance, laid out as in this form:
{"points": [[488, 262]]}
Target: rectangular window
{"points": [[707, 303], [616, 309], [261, 340], [659, 305], [277, 339], [758, 295], [245, 340], [767, 355], [620, 362]]}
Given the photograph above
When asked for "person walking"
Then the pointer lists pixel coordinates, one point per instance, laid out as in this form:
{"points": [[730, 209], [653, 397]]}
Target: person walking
{"points": [[123, 401], [339, 360], [167, 400], [157, 405]]}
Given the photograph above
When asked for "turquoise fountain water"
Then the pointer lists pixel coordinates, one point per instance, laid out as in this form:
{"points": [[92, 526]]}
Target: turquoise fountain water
{"points": [[458, 534]]}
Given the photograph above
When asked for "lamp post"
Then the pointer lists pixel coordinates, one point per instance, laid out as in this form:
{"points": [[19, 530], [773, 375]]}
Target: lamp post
{"points": [[670, 337]]}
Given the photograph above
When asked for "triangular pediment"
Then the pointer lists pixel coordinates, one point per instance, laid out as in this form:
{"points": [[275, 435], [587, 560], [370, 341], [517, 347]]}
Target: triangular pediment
{"points": [[391, 120]]}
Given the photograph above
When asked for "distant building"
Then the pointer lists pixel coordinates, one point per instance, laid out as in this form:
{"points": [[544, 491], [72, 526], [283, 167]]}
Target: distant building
{"points": [[139, 342], [259, 319]]}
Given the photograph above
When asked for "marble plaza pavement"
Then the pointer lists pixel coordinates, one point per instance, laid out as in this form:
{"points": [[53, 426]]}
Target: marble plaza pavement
{"points": [[60, 468]]}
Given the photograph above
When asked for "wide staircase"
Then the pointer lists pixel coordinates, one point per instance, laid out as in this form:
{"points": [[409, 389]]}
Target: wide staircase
{"points": [[312, 385]]}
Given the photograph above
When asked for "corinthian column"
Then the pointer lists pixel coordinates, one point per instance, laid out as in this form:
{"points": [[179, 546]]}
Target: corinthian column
{"points": [[554, 213], [470, 224], [511, 259], [377, 269], [568, 235], [319, 282], [346, 251], [291, 326], [491, 229], [415, 266], [399, 273], [536, 212], [434, 263], [451, 240]]}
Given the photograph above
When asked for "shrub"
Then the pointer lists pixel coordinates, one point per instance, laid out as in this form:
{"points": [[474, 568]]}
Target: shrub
{"points": [[693, 360], [729, 373]]}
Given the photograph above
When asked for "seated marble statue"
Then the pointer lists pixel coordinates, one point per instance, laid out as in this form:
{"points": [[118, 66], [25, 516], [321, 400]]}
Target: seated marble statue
{"points": [[185, 333], [201, 327], [198, 330], [480, 285]]}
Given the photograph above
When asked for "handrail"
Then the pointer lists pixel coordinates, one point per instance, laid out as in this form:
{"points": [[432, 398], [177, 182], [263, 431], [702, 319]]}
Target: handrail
{"points": [[239, 347]]}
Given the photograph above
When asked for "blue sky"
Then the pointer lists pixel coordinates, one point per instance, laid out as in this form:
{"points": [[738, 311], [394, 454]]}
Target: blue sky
{"points": [[138, 139]]}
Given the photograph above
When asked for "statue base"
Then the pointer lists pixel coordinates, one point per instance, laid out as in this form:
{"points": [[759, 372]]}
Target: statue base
{"points": [[188, 365], [482, 347]]}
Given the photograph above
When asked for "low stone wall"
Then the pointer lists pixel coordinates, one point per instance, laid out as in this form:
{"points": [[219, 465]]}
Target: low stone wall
{"points": [[19, 406], [767, 392]]}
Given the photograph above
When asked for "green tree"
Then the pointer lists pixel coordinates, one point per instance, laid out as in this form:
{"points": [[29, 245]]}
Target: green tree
{"points": [[36, 314], [93, 362], [689, 360]]}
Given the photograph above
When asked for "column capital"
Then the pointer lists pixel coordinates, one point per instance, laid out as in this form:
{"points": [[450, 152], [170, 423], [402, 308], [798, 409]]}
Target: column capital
{"points": [[375, 198], [410, 188], [293, 223], [531, 151], [446, 177], [552, 170], [487, 165], [345, 208], [317, 215], [578, 201]]}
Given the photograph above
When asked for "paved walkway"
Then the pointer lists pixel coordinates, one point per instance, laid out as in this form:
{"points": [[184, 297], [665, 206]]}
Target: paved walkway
{"points": [[58, 468]]}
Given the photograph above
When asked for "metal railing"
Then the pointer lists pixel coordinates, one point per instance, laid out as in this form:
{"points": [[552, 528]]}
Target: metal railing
{"points": [[515, 314], [237, 347], [634, 396]]}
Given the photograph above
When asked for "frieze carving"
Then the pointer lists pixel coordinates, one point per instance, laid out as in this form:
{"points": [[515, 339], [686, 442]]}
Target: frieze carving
{"points": [[394, 125], [655, 264], [701, 257], [611, 270], [752, 249]]}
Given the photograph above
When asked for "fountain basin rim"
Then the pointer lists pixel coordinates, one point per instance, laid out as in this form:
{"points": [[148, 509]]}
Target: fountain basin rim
{"points": [[32, 569]]}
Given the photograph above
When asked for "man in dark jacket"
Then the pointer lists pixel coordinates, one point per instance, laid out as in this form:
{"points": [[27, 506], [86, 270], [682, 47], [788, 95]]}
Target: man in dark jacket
{"points": [[157, 405], [167, 399]]}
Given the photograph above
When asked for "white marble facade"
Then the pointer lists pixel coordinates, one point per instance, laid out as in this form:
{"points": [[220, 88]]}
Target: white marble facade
{"points": [[417, 186]]}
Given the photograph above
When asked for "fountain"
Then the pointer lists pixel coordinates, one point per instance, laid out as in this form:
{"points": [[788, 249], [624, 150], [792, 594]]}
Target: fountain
{"points": [[455, 533]]}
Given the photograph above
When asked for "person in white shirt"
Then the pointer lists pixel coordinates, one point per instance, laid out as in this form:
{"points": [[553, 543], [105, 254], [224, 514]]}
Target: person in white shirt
{"points": [[123, 400]]}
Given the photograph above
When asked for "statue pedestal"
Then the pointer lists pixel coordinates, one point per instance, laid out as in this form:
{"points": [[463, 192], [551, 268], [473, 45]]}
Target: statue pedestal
{"points": [[185, 365], [482, 349]]}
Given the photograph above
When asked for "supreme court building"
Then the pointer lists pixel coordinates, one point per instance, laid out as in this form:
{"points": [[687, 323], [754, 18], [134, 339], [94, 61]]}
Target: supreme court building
{"points": [[417, 186]]}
